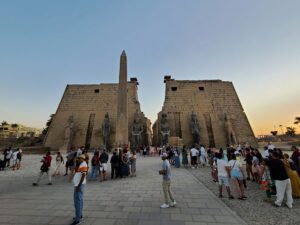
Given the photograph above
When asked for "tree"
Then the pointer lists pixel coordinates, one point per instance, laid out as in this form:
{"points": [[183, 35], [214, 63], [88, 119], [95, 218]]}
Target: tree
{"points": [[14, 125], [290, 131], [4, 123], [297, 120], [274, 132], [44, 132]]}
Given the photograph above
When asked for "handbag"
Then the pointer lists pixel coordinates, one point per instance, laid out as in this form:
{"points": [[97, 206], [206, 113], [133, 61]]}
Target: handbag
{"points": [[236, 173]]}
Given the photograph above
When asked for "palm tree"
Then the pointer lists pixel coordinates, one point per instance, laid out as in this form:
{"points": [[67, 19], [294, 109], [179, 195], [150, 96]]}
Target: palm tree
{"points": [[297, 120], [274, 132], [290, 131]]}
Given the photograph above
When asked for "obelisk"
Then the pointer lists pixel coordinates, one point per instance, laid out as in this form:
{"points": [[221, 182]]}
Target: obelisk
{"points": [[122, 108]]}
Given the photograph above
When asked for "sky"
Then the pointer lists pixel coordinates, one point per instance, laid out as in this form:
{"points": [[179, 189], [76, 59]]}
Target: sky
{"points": [[45, 45]]}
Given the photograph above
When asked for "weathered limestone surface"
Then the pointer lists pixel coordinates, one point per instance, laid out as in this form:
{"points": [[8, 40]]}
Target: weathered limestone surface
{"points": [[81, 101], [210, 100]]}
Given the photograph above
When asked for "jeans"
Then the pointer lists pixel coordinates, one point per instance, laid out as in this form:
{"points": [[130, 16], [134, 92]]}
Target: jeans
{"points": [[78, 202], [95, 170]]}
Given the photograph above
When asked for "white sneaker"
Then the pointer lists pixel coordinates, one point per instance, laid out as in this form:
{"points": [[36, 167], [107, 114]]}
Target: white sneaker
{"points": [[172, 204], [289, 206], [164, 206]]}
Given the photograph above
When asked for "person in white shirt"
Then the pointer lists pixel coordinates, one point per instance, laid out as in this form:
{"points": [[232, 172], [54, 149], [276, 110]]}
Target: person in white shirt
{"points": [[79, 181], [194, 157], [202, 156], [79, 151], [223, 172], [271, 146], [236, 174], [14, 159]]}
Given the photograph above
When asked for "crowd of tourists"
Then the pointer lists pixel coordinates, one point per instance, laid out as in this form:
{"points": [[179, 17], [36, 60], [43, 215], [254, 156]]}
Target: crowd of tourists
{"points": [[275, 172], [122, 163], [11, 159]]}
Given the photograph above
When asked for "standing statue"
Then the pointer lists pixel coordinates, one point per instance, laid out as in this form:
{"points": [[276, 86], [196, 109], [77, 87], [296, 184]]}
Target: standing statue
{"points": [[68, 133], [137, 130], [195, 128], [231, 139], [164, 129], [105, 130]]}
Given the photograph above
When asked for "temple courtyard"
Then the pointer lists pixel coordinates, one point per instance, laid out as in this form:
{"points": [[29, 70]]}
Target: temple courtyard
{"points": [[132, 201]]}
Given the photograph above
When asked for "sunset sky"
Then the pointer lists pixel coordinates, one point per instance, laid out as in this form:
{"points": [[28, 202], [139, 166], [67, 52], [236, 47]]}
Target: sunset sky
{"points": [[45, 45]]}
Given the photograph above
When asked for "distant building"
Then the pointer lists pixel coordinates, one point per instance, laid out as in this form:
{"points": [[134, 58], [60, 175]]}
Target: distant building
{"points": [[18, 130]]}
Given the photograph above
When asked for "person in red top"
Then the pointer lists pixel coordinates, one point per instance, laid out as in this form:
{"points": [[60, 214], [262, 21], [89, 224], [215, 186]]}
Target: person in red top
{"points": [[45, 168]]}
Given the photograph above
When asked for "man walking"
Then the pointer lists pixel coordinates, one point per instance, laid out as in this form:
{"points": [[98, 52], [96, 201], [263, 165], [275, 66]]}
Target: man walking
{"points": [[166, 184], [79, 181], [45, 168]]}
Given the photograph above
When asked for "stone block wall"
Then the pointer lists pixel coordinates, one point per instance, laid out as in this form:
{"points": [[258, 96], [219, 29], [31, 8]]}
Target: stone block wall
{"points": [[82, 101], [209, 99]]}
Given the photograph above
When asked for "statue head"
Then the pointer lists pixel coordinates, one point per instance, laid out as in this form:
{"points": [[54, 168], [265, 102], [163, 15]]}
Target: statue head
{"points": [[194, 116], [106, 115]]}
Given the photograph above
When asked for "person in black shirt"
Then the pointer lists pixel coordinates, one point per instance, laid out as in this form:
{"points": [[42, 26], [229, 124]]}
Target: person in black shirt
{"points": [[114, 161], [248, 160], [282, 181]]}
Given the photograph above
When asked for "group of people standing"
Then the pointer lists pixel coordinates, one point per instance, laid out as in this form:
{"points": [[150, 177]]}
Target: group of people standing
{"points": [[11, 158], [275, 173]]}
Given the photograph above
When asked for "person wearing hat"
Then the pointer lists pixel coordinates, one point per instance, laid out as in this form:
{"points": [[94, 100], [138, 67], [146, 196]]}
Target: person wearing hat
{"points": [[79, 181], [166, 174]]}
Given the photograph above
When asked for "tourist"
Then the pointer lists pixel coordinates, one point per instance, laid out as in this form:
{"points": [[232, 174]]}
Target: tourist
{"points": [[79, 151], [237, 176], [87, 156], [95, 166], [114, 162], [194, 157], [133, 164], [19, 158], [202, 155], [8, 156], [296, 157], [59, 160], [71, 155], [248, 159], [270, 146], [223, 173], [185, 160], [255, 168], [293, 175], [266, 153], [103, 164], [176, 158], [79, 182], [166, 184], [45, 168], [14, 159], [267, 184], [124, 164], [282, 181]]}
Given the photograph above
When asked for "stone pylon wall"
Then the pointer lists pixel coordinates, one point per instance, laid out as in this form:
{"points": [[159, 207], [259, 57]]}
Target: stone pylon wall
{"points": [[83, 100], [209, 99]]}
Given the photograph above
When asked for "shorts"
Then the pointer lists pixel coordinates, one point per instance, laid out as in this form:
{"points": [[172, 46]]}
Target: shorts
{"points": [[103, 167], [223, 181]]}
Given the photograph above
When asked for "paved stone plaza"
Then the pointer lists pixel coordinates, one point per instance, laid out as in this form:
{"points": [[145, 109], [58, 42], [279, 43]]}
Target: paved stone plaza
{"points": [[127, 201]]}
